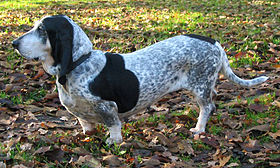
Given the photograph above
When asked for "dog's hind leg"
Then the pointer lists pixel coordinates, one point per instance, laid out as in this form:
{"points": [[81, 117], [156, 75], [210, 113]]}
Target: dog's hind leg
{"points": [[206, 105]]}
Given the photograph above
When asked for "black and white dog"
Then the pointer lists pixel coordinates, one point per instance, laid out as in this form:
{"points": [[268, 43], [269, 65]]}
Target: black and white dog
{"points": [[104, 87]]}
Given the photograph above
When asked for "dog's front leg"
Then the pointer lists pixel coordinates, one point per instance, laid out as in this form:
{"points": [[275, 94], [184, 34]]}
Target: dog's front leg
{"points": [[109, 113], [87, 127]]}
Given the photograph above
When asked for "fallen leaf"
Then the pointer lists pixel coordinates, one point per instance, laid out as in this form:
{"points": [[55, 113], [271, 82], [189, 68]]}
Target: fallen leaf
{"points": [[51, 96], [18, 166], [162, 158], [275, 135], [151, 162], [233, 165], [17, 78], [112, 161], [233, 136], [258, 107], [90, 161], [185, 147], [233, 124], [251, 145], [262, 128], [223, 161], [142, 152], [210, 140], [163, 139], [8, 87], [80, 151], [270, 146], [42, 131], [276, 103], [274, 164], [26, 146], [42, 150], [40, 73], [55, 155], [276, 66]]}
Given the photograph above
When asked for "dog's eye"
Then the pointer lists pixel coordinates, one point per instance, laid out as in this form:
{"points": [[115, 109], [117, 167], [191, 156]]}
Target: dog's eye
{"points": [[40, 29]]}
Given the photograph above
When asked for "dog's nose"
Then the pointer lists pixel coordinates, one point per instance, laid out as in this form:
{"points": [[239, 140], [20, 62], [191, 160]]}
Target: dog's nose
{"points": [[15, 44]]}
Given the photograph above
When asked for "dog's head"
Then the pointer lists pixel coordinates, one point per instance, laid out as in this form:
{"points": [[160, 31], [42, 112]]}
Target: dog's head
{"points": [[51, 41]]}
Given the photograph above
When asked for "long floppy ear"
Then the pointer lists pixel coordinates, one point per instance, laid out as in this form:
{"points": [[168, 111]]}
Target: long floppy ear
{"points": [[60, 33]]}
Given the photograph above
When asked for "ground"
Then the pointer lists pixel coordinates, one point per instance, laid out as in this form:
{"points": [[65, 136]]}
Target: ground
{"points": [[36, 131]]}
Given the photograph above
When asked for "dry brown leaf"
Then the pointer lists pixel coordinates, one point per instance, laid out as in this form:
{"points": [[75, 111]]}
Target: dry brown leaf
{"points": [[40, 73], [184, 146], [19, 166], [274, 164], [275, 135], [233, 136], [210, 140], [163, 139], [258, 107], [276, 103], [251, 145], [42, 150], [8, 87], [80, 151], [90, 161], [276, 66], [152, 162], [233, 124], [263, 128], [112, 161], [2, 109], [233, 165], [51, 96], [42, 131], [223, 161], [26, 146]]}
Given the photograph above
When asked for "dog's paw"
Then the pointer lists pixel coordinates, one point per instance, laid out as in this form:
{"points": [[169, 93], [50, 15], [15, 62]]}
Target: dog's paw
{"points": [[196, 131], [111, 141]]}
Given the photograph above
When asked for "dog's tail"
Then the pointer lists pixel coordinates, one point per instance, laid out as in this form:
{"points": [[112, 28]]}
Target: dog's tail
{"points": [[226, 70]]}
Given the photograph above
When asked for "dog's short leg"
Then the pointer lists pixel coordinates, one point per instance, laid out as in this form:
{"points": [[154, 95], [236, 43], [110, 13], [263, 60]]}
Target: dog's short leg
{"points": [[109, 114], [206, 108], [87, 127], [115, 134]]}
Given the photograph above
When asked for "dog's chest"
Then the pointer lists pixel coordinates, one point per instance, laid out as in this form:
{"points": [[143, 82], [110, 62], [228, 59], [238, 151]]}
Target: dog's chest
{"points": [[78, 106]]}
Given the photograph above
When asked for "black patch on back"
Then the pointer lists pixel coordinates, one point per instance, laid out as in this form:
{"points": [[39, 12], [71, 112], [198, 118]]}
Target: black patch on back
{"points": [[203, 38], [115, 83]]}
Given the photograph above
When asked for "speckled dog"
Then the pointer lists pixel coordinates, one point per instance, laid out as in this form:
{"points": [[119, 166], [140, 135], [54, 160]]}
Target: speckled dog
{"points": [[104, 87]]}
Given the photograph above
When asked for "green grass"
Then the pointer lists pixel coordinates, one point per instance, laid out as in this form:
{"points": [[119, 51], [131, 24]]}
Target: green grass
{"points": [[215, 130], [36, 95], [198, 145], [15, 99]]}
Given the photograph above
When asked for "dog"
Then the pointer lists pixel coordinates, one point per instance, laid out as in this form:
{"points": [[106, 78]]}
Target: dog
{"points": [[104, 87]]}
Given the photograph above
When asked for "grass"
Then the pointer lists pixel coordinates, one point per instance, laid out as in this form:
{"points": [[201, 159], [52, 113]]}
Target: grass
{"points": [[215, 130], [15, 99]]}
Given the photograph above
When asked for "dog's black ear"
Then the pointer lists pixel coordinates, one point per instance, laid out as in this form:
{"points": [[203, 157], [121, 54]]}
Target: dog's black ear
{"points": [[60, 34]]}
